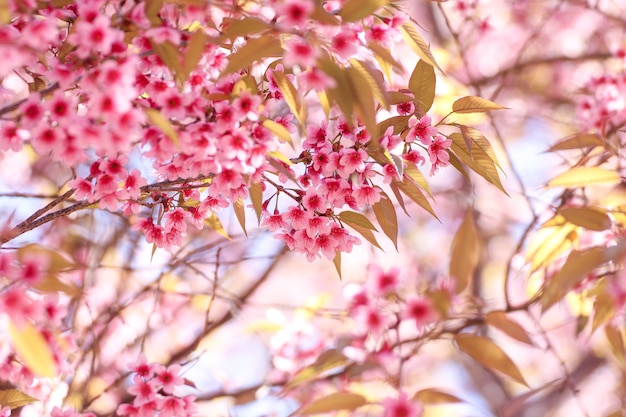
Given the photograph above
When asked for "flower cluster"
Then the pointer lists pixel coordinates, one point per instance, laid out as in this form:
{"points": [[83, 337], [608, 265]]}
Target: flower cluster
{"points": [[153, 391], [604, 107]]}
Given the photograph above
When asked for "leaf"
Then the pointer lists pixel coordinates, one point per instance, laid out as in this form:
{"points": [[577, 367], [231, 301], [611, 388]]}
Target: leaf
{"points": [[396, 192], [500, 321], [363, 99], [548, 243], [169, 55], [464, 252], [51, 283], [163, 124], [435, 396], [56, 262], [588, 217], [412, 191], [253, 51], [368, 75], [13, 398], [474, 104], [152, 9], [603, 311], [475, 138], [329, 360], [341, 93], [333, 402], [33, 349], [616, 342], [354, 218], [194, 52], [385, 213], [256, 196], [580, 141], [5, 12], [399, 123], [384, 54], [323, 16], [247, 26], [422, 84], [416, 175], [291, 95], [418, 44], [584, 176], [354, 10], [575, 269], [240, 213], [337, 262], [490, 355], [458, 165], [477, 159], [278, 130]]}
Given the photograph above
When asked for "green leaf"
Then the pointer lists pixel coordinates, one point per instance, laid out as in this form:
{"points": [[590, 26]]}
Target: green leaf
{"points": [[385, 213], [163, 124], [490, 355], [580, 141], [584, 176], [33, 349], [333, 402], [435, 396], [13, 398], [591, 218], [422, 84], [500, 321], [418, 44], [252, 52], [240, 213], [354, 10], [473, 104], [464, 252]]}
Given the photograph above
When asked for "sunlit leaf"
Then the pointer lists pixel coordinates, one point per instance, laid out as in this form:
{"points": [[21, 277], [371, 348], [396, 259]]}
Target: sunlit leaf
{"points": [[584, 176], [458, 165], [323, 16], [385, 213], [354, 10], [396, 97], [329, 360], [354, 218], [240, 213], [579, 141], [291, 95], [341, 93], [416, 175], [56, 262], [152, 9], [234, 28], [500, 321], [548, 243], [588, 217], [33, 349], [603, 311], [256, 196], [418, 44], [490, 355], [475, 138], [464, 252], [51, 283], [337, 262], [279, 130], [473, 104], [13, 398], [252, 52], [616, 342], [399, 123], [422, 84], [195, 49], [435, 396], [476, 159], [170, 56], [333, 402], [369, 77], [384, 54], [363, 99], [163, 124], [413, 192], [214, 223], [396, 192]]}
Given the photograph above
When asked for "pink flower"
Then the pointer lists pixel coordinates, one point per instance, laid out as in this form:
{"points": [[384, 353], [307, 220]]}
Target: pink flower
{"points": [[169, 377], [314, 79], [401, 407], [439, 157], [300, 52], [143, 390], [345, 43], [384, 282], [295, 12], [5, 412], [421, 129], [172, 407], [142, 367], [421, 311]]}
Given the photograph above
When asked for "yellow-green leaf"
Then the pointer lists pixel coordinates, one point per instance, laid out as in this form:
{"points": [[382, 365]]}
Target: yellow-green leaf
{"points": [[500, 321], [580, 141], [418, 44], [354, 10], [464, 252], [13, 398], [385, 213], [240, 213], [194, 53], [279, 130], [588, 217], [435, 396], [474, 104], [333, 402], [549, 243], [214, 223], [490, 355], [256, 196], [603, 310], [291, 95], [33, 349], [252, 52], [584, 176], [422, 84], [163, 124]]}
